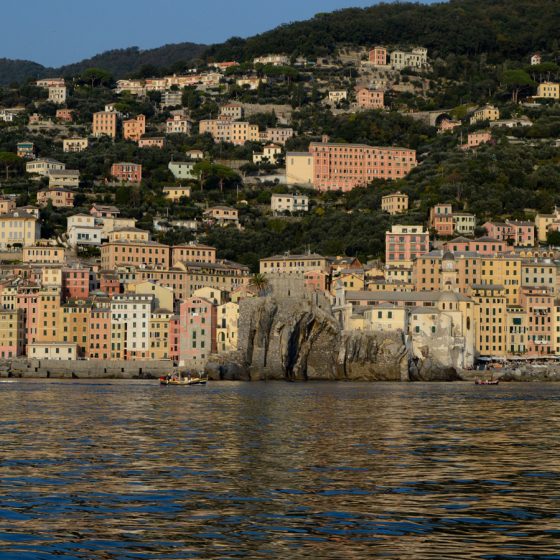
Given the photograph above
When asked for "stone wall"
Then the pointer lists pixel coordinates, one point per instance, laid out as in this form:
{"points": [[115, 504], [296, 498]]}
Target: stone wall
{"points": [[86, 369]]}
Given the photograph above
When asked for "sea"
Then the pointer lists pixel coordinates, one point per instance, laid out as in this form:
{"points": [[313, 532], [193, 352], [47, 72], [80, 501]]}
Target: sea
{"points": [[132, 470]]}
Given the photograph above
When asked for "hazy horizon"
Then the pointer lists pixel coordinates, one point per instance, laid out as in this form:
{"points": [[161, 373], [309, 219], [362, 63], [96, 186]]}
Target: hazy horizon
{"points": [[57, 34]]}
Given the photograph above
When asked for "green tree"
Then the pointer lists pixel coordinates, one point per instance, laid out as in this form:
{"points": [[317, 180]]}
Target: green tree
{"points": [[553, 238], [515, 81], [96, 77], [260, 282], [10, 161]]}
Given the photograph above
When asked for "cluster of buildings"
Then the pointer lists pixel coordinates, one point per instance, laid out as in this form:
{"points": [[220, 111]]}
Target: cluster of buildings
{"points": [[416, 58], [144, 301]]}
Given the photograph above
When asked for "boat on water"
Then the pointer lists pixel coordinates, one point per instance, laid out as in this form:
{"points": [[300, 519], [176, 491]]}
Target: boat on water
{"points": [[178, 379], [486, 381]]}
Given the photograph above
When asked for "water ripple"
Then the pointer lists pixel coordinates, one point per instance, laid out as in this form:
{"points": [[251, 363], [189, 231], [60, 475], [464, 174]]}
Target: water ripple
{"points": [[129, 470]]}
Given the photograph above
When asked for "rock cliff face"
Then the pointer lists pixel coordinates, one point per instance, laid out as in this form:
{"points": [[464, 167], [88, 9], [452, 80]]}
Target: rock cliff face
{"points": [[300, 339]]}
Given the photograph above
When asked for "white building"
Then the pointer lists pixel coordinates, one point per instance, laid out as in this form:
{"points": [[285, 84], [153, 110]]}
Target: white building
{"points": [[130, 321], [57, 94], [64, 178], [83, 229], [417, 58], [289, 203], [53, 351], [335, 96], [182, 169], [270, 154], [70, 145], [274, 59], [42, 166], [178, 124]]}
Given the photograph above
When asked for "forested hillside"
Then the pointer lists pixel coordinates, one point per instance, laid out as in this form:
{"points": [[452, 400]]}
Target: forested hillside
{"points": [[501, 28], [119, 63]]}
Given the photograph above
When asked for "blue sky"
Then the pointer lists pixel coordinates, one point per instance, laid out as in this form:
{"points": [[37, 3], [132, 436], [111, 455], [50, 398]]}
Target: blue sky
{"points": [[56, 32]]}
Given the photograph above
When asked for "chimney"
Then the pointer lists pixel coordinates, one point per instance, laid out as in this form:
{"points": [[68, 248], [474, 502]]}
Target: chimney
{"points": [[325, 139]]}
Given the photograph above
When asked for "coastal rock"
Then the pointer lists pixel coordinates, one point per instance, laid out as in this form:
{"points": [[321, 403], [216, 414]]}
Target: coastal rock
{"points": [[298, 338]]}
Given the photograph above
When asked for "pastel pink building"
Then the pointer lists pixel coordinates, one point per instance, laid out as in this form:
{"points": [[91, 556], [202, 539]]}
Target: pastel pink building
{"points": [[538, 303], [197, 330], [523, 233], [475, 139], [486, 246], [27, 301], [75, 283], [378, 56], [99, 331], [370, 98], [519, 233], [317, 280], [441, 219], [174, 338], [404, 243], [347, 166]]}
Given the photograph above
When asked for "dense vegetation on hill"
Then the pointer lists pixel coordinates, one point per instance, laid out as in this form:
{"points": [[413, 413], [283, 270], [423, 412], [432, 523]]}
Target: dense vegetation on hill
{"points": [[500, 28], [19, 70], [118, 62]]}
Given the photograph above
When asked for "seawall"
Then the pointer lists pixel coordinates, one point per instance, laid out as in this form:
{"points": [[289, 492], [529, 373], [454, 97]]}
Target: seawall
{"points": [[84, 369]]}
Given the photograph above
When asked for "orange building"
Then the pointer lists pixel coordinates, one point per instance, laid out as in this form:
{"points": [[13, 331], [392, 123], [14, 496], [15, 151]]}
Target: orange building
{"points": [[60, 197], [193, 252], [134, 129], [134, 253], [104, 124]]}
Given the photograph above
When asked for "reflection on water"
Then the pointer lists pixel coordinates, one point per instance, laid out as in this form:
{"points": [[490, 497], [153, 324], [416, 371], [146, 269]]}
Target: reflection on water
{"points": [[134, 470]]}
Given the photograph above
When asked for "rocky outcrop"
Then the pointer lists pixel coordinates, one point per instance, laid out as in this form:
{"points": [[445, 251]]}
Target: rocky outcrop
{"points": [[298, 338]]}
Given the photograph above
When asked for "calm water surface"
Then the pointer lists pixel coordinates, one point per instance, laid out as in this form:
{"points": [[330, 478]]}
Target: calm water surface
{"points": [[133, 470]]}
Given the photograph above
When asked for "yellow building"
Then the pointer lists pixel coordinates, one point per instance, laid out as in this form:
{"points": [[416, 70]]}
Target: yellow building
{"points": [[129, 234], [176, 193], [159, 334], [490, 319], [12, 333], [486, 113], [48, 310], [504, 271], [540, 273], [53, 351], [543, 223], [217, 297], [51, 277], [44, 254], [351, 280], [74, 324], [394, 203], [299, 168], [227, 328], [226, 130], [19, 228], [517, 327], [293, 264], [163, 295], [548, 90]]}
